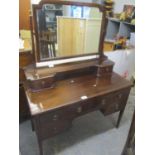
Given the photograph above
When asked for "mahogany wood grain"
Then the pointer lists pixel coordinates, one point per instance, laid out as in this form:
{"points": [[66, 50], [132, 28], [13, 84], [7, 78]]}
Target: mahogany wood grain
{"points": [[53, 110], [45, 78], [25, 58], [24, 8], [46, 71], [80, 87], [63, 2], [130, 142], [23, 105], [71, 90]]}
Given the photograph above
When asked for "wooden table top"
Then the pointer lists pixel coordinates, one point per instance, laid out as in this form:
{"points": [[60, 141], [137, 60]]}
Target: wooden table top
{"points": [[71, 90]]}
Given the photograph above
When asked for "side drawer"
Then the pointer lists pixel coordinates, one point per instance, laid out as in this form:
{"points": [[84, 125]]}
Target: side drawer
{"points": [[52, 129], [115, 101]]}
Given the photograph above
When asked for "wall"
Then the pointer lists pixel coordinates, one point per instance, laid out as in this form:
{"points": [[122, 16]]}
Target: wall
{"points": [[124, 62], [118, 7]]}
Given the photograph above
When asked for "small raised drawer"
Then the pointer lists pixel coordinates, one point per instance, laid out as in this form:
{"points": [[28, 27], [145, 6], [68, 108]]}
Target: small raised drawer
{"points": [[39, 84]]}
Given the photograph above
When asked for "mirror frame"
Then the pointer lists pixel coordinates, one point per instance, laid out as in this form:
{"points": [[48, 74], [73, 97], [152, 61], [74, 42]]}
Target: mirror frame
{"points": [[34, 28]]}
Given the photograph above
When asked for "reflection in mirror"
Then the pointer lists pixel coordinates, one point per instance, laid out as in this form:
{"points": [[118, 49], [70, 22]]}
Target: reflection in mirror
{"points": [[66, 31]]}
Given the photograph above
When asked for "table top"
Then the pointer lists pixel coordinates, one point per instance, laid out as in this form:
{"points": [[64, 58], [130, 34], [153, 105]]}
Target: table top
{"points": [[74, 90]]}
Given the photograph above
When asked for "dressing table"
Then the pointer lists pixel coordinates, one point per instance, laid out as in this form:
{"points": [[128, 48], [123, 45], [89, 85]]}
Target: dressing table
{"points": [[59, 93]]}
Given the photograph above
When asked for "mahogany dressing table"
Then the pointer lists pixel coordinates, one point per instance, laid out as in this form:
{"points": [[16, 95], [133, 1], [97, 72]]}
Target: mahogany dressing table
{"points": [[58, 95]]}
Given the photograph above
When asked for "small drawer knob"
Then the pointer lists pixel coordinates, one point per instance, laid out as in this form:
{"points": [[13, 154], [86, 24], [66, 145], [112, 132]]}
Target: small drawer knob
{"points": [[79, 109], [55, 117], [107, 69], [103, 102], [120, 96], [55, 129], [43, 82], [116, 106]]}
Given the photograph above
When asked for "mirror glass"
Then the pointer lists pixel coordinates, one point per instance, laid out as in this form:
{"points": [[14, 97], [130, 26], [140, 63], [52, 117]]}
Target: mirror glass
{"points": [[66, 31]]}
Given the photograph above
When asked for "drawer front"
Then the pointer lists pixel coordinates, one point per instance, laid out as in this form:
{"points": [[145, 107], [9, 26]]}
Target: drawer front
{"points": [[65, 113], [52, 129], [115, 101], [40, 84], [90, 105], [58, 120], [70, 112]]}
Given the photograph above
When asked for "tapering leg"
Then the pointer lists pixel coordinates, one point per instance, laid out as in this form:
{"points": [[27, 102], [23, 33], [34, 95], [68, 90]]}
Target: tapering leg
{"points": [[32, 125], [40, 147], [120, 117]]}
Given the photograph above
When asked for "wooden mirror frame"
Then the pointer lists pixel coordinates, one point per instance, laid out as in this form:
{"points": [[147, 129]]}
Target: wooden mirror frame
{"points": [[34, 29]]}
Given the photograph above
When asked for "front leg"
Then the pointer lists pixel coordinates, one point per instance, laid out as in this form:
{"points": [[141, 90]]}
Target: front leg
{"points": [[40, 146], [120, 117]]}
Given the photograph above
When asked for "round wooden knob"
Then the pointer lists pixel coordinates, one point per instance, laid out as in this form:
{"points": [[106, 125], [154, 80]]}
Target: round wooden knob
{"points": [[120, 96], [107, 69], [55, 129], [79, 109], [55, 117], [116, 106], [103, 102], [43, 82]]}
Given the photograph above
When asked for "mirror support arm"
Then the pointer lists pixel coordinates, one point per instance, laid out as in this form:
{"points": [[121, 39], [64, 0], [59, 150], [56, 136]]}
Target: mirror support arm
{"points": [[102, 37]]}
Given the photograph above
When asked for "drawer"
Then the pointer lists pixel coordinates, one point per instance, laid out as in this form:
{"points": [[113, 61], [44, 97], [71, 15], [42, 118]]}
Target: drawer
{"points": [[41, 83], [52, 129], [89, 105], [58, 120], [65, 113], [115, 101], [70, 112]]}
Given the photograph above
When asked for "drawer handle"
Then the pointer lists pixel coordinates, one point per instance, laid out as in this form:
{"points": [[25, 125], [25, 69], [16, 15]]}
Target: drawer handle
{"points": [[103, 102], [116, 106], [107, 69], [79, 109], [55, 129], [55, 117], [43, 82], [120, 96]]}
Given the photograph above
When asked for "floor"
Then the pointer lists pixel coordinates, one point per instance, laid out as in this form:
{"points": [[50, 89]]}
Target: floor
{"points": [[92, 134]]}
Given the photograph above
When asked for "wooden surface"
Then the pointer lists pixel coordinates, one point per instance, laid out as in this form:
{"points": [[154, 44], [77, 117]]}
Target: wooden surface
{"points": [[53, 110], [66, 92], [31, 71], [24, 8], [69, 2], [130, 142], [23, 105], [25, 58]]}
